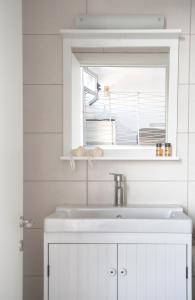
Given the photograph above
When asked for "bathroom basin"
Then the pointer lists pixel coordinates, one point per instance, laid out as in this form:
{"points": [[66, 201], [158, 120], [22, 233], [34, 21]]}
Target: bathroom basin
{"points": [[151, 219], [119, 212]]}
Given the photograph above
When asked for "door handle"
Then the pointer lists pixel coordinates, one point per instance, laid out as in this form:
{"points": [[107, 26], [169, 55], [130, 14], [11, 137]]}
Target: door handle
{"points": [[24, 223]]}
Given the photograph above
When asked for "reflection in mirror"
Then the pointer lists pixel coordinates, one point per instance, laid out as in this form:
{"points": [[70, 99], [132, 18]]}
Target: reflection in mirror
{"points": [[124, 105]]}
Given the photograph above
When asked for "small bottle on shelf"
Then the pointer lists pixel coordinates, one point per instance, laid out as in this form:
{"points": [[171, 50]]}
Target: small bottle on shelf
{"points": [[168, 149], [159, 149]]}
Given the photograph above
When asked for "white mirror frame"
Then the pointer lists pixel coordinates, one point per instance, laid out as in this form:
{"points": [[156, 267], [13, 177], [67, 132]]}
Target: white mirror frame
{"points": [[72, 97]]}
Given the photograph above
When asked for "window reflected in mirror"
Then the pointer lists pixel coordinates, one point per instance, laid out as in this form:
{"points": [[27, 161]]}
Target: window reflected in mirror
{"points": [[124, 105]]}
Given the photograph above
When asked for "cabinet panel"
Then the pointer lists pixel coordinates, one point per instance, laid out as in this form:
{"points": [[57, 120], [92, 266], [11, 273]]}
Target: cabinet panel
{"points": [[151, 272], [83, 272]]}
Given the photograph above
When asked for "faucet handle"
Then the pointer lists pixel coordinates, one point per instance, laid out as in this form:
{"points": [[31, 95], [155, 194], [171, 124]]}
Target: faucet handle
{"points": [[117, 176]]}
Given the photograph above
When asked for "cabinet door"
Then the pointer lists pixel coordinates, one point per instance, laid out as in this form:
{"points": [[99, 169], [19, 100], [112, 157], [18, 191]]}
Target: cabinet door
{"points": [[83, 272], [152, 272]]}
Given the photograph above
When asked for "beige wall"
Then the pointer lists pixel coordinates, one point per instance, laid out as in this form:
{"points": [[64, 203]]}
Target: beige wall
{"points": [[49, 181]]}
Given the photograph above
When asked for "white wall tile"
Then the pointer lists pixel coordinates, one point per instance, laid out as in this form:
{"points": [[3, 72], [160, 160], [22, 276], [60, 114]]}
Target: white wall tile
{"points": [[184, 59], [144, 170], [49, 16], [42, 59], [192, 156], [101, 193], [192, 60], [33, 288], [41, 198], [42, 159], [157, 193], [191, 201], [43, 108], [183, 108], [192, 109], [177, 12], [33, 252]]}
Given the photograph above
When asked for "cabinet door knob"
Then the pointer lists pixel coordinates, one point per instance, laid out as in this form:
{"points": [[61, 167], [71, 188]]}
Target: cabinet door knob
{"points": [[123, 272], [112, 271]]}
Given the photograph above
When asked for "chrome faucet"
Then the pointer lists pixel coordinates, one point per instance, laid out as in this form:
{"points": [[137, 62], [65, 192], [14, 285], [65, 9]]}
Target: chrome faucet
{"points": [[119, 189]]}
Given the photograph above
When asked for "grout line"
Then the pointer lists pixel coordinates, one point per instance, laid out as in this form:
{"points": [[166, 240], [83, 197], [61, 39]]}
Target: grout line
{"points": [[53, 180], [61, 132], [40, 34], [40, 84], [33, 228], [86, 13], [105, 180], [141, 180], [36, 276], [42, 132], [86, 7]]}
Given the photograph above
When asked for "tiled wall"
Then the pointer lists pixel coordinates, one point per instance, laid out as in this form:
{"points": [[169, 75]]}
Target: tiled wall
{"points": [[49, 181]]}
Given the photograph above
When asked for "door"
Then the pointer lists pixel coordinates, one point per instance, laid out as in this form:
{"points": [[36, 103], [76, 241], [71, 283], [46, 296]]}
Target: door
{"points": [[83, 272], [11, 154], [151, 272]]}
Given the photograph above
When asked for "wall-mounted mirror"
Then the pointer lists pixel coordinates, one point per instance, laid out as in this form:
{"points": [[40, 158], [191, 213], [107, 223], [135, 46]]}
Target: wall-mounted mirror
{"points": [[124, 105], [120, 94]]}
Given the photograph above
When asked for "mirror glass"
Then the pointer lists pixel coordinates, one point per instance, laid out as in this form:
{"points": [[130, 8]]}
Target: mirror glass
{"points": [[124, 105]]}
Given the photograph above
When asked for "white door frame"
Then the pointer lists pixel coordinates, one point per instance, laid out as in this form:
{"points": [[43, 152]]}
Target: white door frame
{"points": [[11, 149]]}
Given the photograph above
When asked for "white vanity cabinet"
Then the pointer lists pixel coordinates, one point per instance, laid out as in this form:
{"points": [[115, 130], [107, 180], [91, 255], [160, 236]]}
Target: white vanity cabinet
{"points": [[83, 272], [149, 271], [118, 253], [117, 271]]}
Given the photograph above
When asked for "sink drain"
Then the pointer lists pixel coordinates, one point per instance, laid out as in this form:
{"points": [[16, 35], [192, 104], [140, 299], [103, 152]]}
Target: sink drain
{"points": [[119, 217]]}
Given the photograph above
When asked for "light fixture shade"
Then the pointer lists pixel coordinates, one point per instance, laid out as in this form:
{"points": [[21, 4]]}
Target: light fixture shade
{"points": [[121, 22]]}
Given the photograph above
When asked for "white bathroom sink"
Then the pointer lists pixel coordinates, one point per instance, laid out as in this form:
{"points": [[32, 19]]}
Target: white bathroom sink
{"points": [[117, 212], [151, 219]]}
